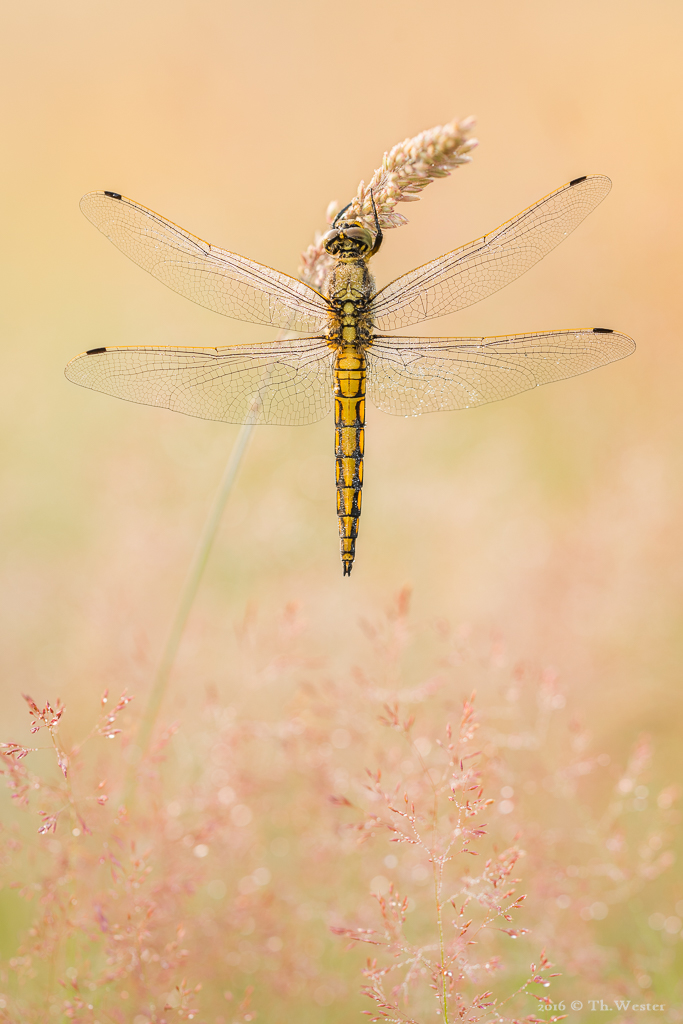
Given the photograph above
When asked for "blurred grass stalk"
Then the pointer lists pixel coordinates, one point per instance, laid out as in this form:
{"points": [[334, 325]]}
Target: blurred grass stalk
{"points": [[190, 587]]}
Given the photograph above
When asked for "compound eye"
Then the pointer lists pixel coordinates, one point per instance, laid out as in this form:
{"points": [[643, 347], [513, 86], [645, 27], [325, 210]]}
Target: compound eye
{"points": [[359, 234], [330, 241]]}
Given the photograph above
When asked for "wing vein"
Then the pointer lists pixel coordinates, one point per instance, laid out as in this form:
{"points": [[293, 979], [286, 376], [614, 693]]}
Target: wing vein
{"points": [[215, 278], [410, 376], [478, 269]]}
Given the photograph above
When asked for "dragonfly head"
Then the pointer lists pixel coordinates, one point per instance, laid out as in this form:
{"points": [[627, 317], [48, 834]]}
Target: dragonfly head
{"points": [[349, 240]]}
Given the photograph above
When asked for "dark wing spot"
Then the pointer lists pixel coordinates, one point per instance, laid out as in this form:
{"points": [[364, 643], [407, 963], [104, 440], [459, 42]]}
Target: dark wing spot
{"points": [[117, 195], [95, 351], [603, 330], [574, 181]]}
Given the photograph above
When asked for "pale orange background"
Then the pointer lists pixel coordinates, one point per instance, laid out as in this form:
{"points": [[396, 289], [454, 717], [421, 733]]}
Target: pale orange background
{"points": [[552, 520]]}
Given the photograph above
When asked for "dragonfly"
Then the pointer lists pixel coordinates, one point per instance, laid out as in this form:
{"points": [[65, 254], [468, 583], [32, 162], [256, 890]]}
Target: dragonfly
{"points": [[344, 354]]}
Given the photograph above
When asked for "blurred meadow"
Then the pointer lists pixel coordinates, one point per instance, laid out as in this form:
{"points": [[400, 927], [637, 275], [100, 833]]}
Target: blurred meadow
{"points": [[529, 550]]}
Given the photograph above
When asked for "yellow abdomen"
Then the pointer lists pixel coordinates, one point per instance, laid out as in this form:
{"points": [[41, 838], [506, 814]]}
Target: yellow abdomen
{"points": [[349, 334], [349, 423]]}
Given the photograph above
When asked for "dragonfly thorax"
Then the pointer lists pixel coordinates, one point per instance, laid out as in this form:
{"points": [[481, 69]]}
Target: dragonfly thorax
{"points": [[350, 288]]}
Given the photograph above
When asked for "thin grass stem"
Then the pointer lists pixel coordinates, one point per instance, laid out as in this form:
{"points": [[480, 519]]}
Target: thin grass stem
{"points": [[191, 586]]}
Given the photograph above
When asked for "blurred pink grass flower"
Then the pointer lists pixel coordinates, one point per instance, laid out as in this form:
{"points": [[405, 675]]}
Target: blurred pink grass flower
{"points": [[332, 799], [434, 815]]}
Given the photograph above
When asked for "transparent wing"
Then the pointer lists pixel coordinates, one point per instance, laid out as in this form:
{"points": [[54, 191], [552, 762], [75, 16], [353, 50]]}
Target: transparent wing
{"points": [[220, 280], [427, 374], [286, 382], [480, 268]]}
